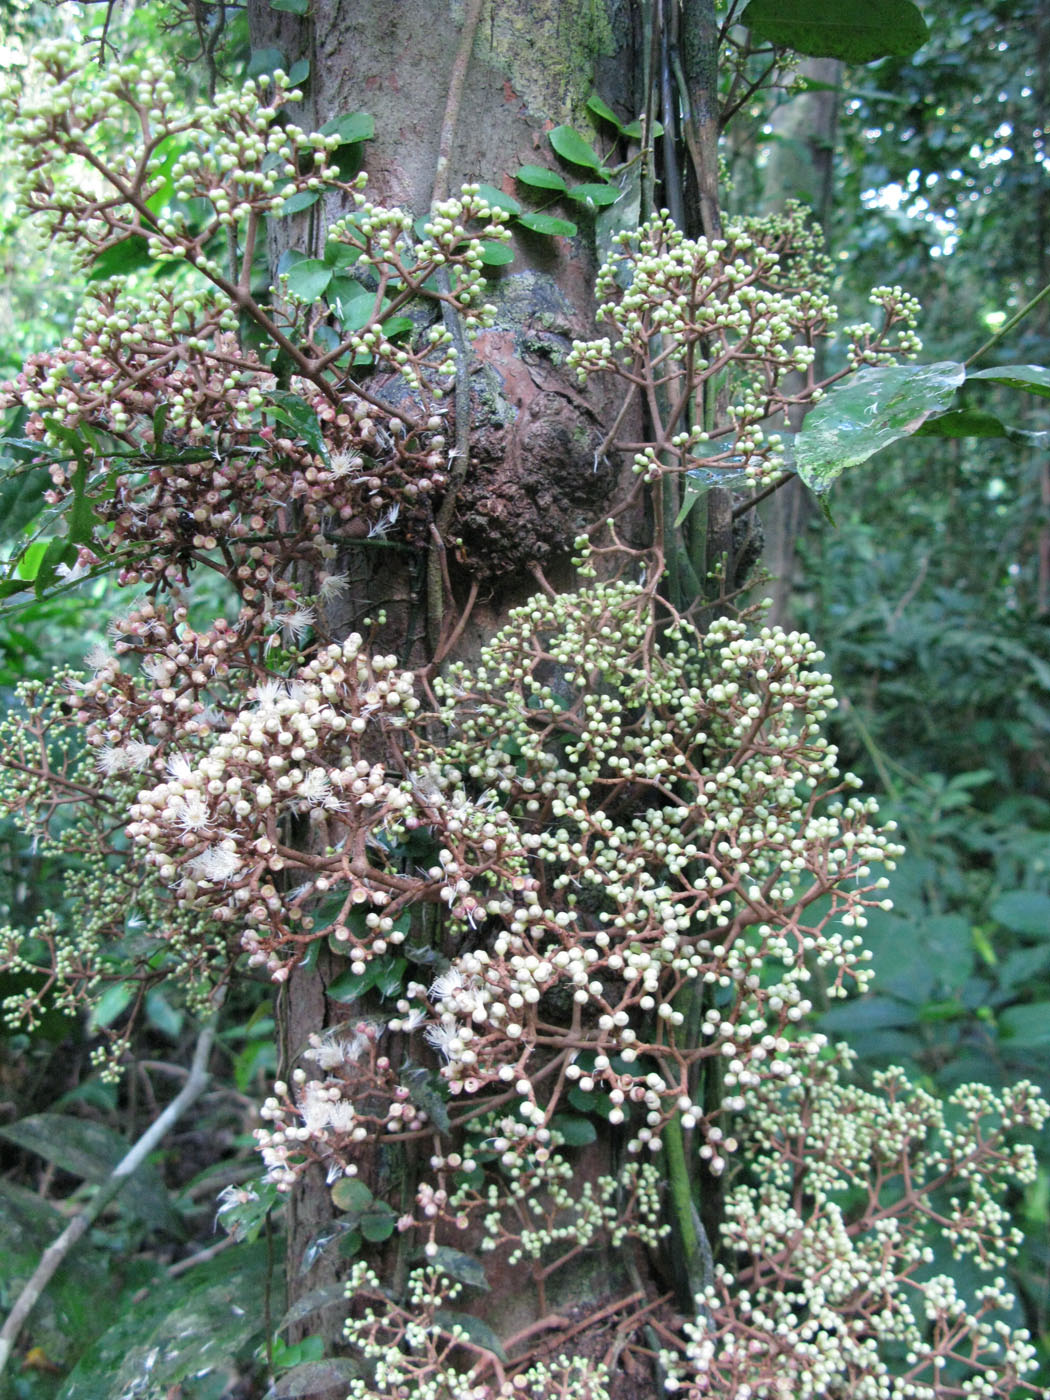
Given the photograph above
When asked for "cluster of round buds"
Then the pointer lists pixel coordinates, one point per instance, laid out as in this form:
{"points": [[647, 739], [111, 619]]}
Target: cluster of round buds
{"points": [[873, 345], [827, 1292], [237, 161], [327, 1119], [748, 308]]}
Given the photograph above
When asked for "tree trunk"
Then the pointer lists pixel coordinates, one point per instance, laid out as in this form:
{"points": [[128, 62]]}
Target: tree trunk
{"points": [[465, 93]]}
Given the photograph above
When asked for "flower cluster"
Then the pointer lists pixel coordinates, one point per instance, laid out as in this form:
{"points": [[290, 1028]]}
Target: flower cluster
{"points": [[748, 309]]}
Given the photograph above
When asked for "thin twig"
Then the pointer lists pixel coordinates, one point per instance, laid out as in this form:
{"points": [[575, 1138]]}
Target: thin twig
{"points": [[53, 1256]]}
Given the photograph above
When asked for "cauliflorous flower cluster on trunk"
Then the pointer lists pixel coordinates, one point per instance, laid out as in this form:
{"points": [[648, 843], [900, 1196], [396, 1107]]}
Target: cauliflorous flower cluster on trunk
{"points": [[587, 888]]}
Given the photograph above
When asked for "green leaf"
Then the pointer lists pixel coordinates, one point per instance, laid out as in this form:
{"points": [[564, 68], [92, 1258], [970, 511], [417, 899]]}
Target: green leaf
{"points": [[1034, 379], [377, 1223], [547, 223], [463, 1267], [633, 130], [351, 1194], [91, 1150], [540, 177], [112, 1002], [339, 255], [598, 108], [162, 1016], [21, 497], [573, 1131], [294, 7], [81, 516], [1025, 1027], [422, 1085], [480, 1333], [299, 72], [1023, 911], [193, 1326], [351, 985], [390, 975], [351, 127], [307, 280], [264, 61], [296, 203], [571, 146], [129, 255], [872, 409], [867, 1014], [312, 1302], [396, 325], [496, 199], [329, 1376], [594, 196], [296, 413], [351, 303], [831, 29], [496, 254], [963, 423]]}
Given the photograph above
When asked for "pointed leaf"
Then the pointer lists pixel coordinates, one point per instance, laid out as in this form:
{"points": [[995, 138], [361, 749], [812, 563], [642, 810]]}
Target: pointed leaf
{"points": [[300, 71], [1023, 911], [571, 146], [492, 255], [963, 423], [296, 203], [480, 1333], [297, 413], [1025, 1027], [1034, 379], [463, 1267], [496, 199], [830, 29], [598, 108], [869, 411]]}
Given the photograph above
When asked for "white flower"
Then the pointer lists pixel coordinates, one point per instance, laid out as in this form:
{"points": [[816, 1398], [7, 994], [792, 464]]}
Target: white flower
{"points": [[214, 863], [384, 523], [315, 790], [191, 812], [98, 656], [297, 622], [442, 1037], [332, 586], [180, 768]]}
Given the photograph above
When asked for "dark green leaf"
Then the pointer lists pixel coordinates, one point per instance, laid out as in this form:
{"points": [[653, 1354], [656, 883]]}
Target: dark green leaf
{"points": [[831, 29], [295, 7], [546, 223], [328, 1376], [872, 409], [1034, 379], [463, 1267], [91, 1151], [339, 255], [351, 985], [962, 423], [351, 127], [867, 1014], [539, 177], [296, 413], [299, 73], [377, 1224], [574, 1132], [423, 1091], [351, 303], [571, 146], [480, 1333], [130, 255], [296, 203]]}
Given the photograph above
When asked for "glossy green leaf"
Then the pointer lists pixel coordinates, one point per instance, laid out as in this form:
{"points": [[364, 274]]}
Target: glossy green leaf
{"points": [[1034, 379], [571, 146], [307, 280], [131, 254], [830, 29], [91, 1150], [351, 303], [963, 423], [457, 1265], [866, 413], [548, 224], [480, 1333], [540, 177], [197, 1325], [339, 255]]}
